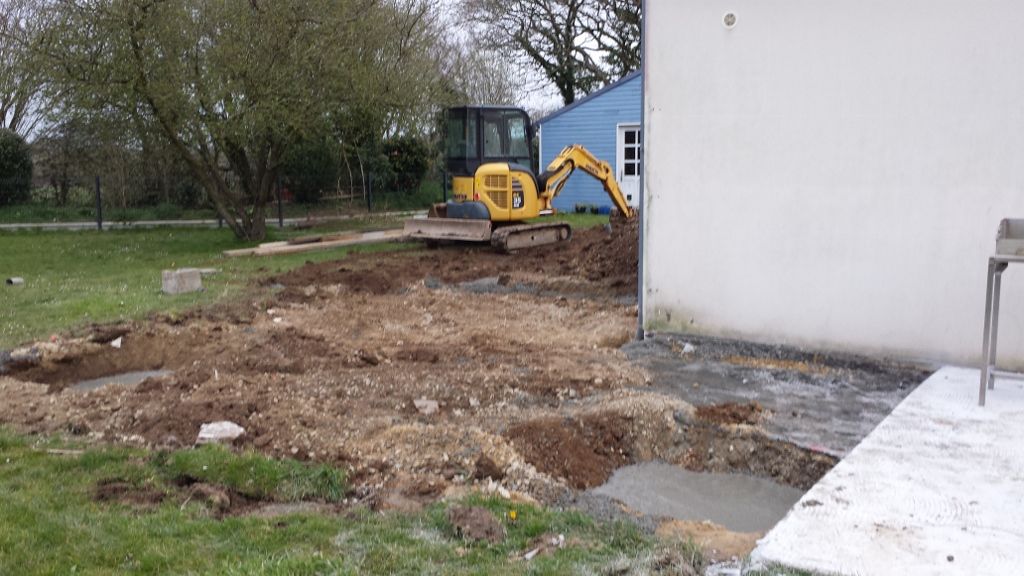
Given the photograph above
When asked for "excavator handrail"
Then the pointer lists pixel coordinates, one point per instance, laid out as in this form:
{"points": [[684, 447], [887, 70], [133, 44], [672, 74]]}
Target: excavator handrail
{"points": [[576, 156]]}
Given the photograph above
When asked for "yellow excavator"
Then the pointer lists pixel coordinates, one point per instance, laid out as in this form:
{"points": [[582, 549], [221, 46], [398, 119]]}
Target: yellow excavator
{"points": [[494, 188]]}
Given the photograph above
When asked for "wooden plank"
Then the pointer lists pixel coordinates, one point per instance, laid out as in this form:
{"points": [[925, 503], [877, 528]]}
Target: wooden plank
{"points": [[251, 251], [367, 238], [322, 238]]}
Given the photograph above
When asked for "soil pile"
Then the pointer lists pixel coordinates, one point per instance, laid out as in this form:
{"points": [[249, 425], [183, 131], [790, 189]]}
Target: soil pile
{"points": [[615, 255], [598, 262], [584, 453]]}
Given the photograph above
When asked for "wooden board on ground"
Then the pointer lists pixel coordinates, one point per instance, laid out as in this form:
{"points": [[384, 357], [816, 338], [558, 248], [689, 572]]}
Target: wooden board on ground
{"points": [[326, 237], [251, 251], [356, 239]]}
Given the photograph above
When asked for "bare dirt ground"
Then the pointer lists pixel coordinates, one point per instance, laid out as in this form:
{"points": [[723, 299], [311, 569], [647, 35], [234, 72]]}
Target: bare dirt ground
{"points": [[424, 373]]}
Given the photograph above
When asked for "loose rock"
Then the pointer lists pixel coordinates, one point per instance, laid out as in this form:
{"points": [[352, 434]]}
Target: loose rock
{"points": [[215, 432], [426, 407]]}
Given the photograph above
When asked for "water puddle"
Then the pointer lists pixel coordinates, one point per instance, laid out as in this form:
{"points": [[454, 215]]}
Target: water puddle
{"points": [[126, 379], [738, 502]]}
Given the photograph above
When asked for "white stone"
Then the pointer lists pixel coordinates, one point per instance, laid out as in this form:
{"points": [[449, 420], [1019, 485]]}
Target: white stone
{"points": [[182, 281], [219, 432], [426, 407]]}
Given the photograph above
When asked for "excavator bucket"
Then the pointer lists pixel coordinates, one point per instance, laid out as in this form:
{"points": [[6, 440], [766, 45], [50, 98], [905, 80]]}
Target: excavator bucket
{"points": [[438, 229]]}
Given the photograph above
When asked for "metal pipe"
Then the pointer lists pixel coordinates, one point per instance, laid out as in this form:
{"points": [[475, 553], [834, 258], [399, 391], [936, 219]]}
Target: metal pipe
{"points": [[280, 210], [99, 206], [641, 228], [986, 350]]}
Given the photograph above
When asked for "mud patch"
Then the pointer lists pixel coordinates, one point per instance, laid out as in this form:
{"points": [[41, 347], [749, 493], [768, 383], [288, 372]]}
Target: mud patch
{"points": [[116, 490], [127, 379], [710, 448], [583, 452], [220, 501], [824, 401], [731, 413], [87, 361], [486, 468], [476, 524], [280, 510]]}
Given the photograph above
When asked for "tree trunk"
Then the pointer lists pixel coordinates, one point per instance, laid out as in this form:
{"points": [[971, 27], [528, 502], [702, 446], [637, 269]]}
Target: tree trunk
{"points": [[348, 166], [362, 174]]}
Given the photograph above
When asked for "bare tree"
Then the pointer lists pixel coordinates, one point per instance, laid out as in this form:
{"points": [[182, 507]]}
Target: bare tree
{"points": [[21, 83], [545, 33], [578, 45], [483, 75], [615, 29]]}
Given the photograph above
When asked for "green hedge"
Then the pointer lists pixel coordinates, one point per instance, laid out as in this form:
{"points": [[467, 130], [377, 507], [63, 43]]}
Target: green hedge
{"points": [[15, 169]]}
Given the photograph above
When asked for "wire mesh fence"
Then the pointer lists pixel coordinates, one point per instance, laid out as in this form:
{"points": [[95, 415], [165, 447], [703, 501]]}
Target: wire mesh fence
{"points": [[133, 197]]}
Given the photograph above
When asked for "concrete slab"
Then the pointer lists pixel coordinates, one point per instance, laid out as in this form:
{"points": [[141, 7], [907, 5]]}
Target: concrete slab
{"points": [[181, 281], [936, 488]]}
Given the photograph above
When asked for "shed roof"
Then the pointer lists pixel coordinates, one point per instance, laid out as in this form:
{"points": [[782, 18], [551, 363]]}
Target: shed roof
{"points": [[588, 98]]}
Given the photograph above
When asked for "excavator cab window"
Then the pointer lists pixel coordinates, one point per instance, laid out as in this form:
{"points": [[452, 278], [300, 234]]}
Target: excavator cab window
{"points": [[477, 135], [506, 137], [461, 138]]}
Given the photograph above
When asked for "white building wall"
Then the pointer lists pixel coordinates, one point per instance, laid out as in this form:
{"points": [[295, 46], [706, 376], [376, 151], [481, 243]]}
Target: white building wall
{"points": [[832, 173]]}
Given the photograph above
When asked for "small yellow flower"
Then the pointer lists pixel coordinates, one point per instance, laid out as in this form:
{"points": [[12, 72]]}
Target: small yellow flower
{"points": [[512, 515]]}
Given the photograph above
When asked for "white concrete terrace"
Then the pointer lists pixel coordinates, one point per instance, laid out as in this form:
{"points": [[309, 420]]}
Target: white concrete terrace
{"points": [[936, 488]]}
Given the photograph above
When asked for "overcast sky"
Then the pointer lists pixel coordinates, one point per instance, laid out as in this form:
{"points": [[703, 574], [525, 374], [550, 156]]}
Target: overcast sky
{"points": [[540, 96]]}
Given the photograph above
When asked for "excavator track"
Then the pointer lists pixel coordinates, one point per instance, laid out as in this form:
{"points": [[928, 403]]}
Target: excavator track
{"points": [[523, 236]]}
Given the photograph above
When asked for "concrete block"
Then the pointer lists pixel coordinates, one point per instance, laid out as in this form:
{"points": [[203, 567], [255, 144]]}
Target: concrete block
{"points": [[182, 281]]}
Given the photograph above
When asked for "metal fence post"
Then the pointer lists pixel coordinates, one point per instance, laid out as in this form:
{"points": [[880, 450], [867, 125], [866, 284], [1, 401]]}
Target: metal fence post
{"points": [[369, 192], [99, 206], [280, 210]]}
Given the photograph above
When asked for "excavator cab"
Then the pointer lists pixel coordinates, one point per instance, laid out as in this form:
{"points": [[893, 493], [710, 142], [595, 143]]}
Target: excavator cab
{"points": [[488, 154]]}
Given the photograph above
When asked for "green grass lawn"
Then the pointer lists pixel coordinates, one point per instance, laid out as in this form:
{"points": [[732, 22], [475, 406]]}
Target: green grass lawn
{"points": [[51, 522]]}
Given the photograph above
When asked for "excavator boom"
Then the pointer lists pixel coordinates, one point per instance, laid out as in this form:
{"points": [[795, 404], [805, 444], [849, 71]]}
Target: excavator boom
{"points": [[577, 157]]}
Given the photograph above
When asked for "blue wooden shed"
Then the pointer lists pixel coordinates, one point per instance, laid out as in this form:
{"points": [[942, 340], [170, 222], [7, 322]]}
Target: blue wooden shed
{"points": [[607, 123]]}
